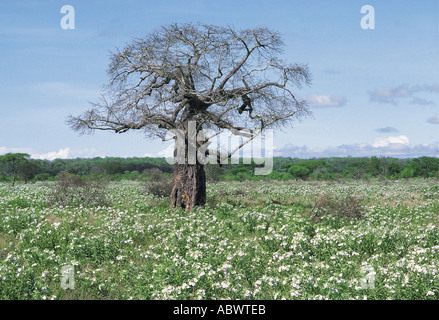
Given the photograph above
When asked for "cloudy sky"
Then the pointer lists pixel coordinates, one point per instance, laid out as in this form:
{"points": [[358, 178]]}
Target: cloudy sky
{"points": [[374, 92]]}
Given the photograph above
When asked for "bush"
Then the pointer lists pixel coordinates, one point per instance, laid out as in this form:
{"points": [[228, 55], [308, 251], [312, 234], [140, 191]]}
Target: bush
{"points": [[214, 172], [299, 171], [349, 207], [41, 177], [161, 188], [72, 190], [154, 174]]}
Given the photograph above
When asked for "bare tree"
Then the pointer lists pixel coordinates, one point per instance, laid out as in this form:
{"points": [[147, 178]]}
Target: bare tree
{"points": [[218, 77]]}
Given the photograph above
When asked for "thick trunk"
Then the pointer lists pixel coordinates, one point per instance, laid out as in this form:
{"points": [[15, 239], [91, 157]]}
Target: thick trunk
{"points": [[189, 188]]}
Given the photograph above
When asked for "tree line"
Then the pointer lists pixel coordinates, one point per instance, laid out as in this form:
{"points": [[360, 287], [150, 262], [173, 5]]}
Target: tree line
{"points": [[19, 166], [342, 168]]}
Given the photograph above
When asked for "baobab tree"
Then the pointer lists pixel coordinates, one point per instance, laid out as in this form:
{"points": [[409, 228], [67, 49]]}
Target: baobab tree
{"points": [[212, 77]]}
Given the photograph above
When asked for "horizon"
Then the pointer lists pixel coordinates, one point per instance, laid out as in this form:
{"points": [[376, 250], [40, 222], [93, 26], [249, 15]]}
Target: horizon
{"points": [[374, 92], [241, 159]]}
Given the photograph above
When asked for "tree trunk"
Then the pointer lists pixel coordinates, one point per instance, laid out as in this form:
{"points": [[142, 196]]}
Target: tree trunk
{"points": [[189, 188]]}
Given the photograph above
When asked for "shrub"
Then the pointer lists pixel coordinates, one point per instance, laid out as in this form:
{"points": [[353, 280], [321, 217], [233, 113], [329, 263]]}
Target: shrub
{"points": [[349, 207], [159, 188], [41, 176], [299, 171], [214, 172], [154, 174], [72, 190]]}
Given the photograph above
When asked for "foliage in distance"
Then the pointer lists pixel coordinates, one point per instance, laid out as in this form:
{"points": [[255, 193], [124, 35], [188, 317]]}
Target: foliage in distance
{"points": [[324, 169]]}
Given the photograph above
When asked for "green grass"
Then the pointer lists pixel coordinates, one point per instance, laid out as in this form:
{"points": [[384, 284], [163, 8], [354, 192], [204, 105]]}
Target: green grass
{"points": [[252, 241]]}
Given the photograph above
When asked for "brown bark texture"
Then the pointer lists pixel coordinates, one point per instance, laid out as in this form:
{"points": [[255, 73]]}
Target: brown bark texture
{"points": [[189, 188]]}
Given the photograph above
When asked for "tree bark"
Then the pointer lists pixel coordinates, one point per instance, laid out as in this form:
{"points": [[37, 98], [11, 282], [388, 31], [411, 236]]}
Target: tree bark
{"points": [[189, 188]]}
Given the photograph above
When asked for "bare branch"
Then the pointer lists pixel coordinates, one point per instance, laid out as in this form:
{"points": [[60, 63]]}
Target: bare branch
{"points": [[222, 78]]}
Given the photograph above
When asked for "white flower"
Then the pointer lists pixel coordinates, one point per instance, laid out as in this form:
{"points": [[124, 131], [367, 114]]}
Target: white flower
{"points": [[185, 286]]}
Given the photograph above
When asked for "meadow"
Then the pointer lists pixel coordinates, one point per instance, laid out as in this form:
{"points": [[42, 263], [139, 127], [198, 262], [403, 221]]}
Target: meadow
{"points": [[253, 240]]}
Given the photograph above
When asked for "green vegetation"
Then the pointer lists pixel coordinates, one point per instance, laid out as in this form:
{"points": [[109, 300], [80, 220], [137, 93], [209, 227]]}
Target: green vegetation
{"points": [[253, 240], [109, 168], [15, 163], [325, 169], [302, 170], [308, 230]]}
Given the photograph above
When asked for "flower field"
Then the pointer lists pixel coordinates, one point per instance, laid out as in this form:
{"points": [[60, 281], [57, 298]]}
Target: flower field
{"points": [[253, 240]]}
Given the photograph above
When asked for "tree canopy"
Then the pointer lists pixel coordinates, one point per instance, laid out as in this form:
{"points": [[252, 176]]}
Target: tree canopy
{"points": [[222, 78], [14, 161]]}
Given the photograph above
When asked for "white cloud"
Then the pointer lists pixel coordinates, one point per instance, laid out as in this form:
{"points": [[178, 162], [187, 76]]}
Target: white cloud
{"points": [[63, 153], [60, 154], [323, 100], [385, 142], [391, 94], [167, 152], [399, 147]]}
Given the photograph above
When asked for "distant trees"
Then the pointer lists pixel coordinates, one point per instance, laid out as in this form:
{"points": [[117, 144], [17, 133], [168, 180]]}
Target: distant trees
{"points": [[302, 170], [116, 168], [13, 163], [359, 168], [19, 166], [373, 167], [26, 170], [424, 166], [393, 168], [299, 171]]}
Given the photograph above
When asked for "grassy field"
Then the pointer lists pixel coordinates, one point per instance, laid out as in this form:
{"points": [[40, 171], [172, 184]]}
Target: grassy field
{"points": [[374, 240]]}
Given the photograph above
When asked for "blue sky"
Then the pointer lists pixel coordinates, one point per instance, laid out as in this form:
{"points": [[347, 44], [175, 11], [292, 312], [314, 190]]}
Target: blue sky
{"points": [[373, 93]]}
